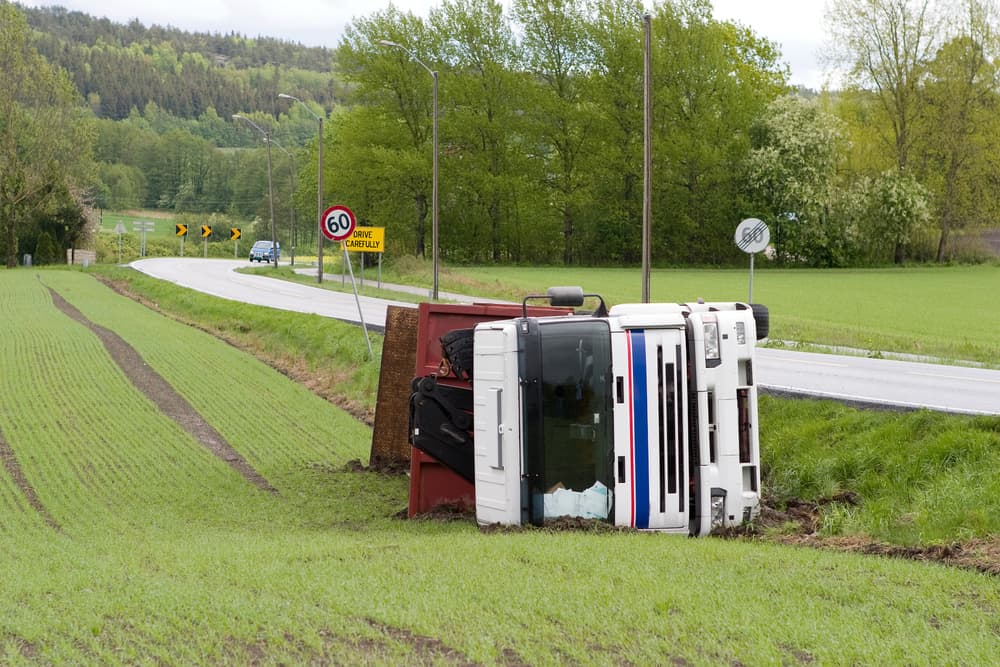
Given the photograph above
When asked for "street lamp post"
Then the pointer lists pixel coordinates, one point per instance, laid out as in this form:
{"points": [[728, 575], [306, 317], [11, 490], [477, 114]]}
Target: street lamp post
{"points": [[434, 164], [319, 184], [270, 187], [291, 206]]}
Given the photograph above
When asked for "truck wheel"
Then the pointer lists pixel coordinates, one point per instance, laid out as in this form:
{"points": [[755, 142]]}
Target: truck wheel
{"points": [[763, 319]]}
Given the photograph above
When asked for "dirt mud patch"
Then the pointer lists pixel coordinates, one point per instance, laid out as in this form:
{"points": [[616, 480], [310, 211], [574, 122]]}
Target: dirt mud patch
{"points": [[427, 650], [799, 523], [13, 469], [159, 391]]}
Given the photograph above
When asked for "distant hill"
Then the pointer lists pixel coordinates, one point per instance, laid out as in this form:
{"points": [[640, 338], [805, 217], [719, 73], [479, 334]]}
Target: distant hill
{"points": [[120, 67]]}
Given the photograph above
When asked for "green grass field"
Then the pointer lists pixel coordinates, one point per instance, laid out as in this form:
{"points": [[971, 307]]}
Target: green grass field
{"points": [[164, 555], [163, 222]]}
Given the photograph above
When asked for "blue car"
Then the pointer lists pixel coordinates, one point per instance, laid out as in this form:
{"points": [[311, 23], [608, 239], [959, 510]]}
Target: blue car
{"points": [[261, 251]]}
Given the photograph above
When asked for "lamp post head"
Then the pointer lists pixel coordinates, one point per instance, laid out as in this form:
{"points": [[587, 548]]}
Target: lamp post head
{"points": [[386, 42]]}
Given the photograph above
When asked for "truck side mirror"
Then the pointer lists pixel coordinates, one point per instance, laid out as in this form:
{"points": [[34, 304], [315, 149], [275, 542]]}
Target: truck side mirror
{"points": [[566, 297]]}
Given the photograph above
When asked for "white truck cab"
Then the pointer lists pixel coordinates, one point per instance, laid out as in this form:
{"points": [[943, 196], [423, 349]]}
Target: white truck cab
{"points": [[644, 416]]}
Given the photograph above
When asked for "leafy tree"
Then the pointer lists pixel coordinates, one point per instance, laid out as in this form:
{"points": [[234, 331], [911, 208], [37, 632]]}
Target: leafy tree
{"points": [[399, 91], [959, 144], [615, 83], [711, 80], [885, 46], [44, 140], [46, 250], [793, 174], [483, 92], [124, 186], [895, 209], [556, 50]]}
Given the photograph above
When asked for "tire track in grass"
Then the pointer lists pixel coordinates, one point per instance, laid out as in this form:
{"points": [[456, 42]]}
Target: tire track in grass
{"points": [[13, 469], [164, 396]]}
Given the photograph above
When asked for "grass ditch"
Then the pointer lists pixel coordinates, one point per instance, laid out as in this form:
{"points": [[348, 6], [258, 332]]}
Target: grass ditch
{"points": [[165, 557]]}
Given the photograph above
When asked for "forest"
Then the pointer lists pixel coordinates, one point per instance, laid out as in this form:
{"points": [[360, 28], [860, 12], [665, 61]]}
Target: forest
{"points": [[540, 122]]}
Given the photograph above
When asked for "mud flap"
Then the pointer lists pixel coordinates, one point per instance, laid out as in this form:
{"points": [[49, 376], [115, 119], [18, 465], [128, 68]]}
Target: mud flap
{"points": [[440, 420]]}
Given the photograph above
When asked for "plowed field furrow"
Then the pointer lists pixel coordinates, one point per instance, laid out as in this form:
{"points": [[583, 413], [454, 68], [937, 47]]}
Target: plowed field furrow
{"points": [[95, 449], [15, 513], [279, 439], [235, 393], [50, 416], [159, 391], [13, 469]]}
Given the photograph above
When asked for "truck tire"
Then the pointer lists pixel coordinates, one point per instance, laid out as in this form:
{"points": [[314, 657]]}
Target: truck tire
{"points": [[457, 347], [763, 319]]}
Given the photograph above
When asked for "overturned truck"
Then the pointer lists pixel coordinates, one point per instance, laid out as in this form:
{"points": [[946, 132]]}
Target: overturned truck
{"points": [[644, 415]]}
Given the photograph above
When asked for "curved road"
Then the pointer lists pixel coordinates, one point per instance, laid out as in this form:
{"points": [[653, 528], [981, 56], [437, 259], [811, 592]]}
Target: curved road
{"points": [[858, 380]]}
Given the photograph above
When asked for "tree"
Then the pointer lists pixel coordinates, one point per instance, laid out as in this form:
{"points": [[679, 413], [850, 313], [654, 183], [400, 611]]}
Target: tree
{"points": [[46, 250], [44, 138], [396, 87], [885, 46], [711, 80], [556, 50], [793, 174], [959, 140], [895, 207], [615, 84], [483, 98]]}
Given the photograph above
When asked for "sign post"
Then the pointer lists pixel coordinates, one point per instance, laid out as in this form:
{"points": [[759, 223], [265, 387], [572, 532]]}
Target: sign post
{"points": [[142, 227], [337, 224], [181, 231], [119, 230], [752, 236], [368, 239], [234, 235], [206, 231]]}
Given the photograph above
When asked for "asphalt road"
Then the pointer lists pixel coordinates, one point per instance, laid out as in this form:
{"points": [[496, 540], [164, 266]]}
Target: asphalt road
{"points": [[854, 379]]}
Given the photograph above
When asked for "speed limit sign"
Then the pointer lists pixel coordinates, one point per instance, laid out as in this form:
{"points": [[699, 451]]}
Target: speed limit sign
{"points": [[752, 235], [337, 223]]}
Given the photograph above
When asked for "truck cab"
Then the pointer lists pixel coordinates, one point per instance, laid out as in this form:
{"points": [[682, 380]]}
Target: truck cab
{"points": [[643, 417]]}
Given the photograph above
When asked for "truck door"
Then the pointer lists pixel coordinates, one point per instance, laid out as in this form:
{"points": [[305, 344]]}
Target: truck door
{"points": [[651, 458]]}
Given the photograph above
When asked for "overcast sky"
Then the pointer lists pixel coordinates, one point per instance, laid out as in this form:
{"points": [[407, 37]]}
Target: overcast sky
{"points": [[796, 25]]}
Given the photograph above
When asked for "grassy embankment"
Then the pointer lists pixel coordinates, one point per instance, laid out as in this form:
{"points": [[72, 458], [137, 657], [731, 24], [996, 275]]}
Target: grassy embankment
{"points": [[166, 556]]}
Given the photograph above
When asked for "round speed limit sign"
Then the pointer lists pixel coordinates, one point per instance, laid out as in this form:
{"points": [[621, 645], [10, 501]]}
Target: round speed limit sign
{"points": [[752, 235], [337, 223]]}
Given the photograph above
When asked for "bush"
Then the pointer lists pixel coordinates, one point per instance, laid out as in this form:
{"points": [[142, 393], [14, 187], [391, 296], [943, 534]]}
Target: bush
{"points": [[47, 251]]}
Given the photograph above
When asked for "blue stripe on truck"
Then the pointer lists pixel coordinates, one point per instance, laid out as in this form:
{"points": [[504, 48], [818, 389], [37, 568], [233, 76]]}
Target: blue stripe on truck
{"points": [[640, 421]]}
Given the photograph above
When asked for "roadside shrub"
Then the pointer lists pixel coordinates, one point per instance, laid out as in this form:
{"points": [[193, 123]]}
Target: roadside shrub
{"points": [[47, 251]]}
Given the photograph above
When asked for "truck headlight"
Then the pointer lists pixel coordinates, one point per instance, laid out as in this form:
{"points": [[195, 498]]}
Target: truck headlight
{"points": [[711, 341], [718, 508]]}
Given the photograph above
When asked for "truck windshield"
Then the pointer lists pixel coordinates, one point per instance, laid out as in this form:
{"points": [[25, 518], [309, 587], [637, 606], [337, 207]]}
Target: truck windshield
{"points": [[570, 451]]}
